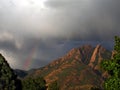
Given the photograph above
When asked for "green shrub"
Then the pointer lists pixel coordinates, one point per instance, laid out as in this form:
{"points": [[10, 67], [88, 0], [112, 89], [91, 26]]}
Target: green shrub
{"points": [[53, 86], [113, 68], [33, 84], [8, 80]]}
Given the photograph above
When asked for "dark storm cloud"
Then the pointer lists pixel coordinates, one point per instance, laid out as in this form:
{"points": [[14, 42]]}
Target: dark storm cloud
{"points": [[82, 19], [45, 51], [55, 29], [8, 45], [87, 19]]}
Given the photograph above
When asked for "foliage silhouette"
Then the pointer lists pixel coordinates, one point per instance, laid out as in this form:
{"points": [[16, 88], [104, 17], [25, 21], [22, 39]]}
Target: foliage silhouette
{"points": [[8, 80], [113, 68], [33, 84]]}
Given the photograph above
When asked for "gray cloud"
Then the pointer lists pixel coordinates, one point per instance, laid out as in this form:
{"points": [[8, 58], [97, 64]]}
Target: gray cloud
{"points": [[55, 28], [86, 19]]}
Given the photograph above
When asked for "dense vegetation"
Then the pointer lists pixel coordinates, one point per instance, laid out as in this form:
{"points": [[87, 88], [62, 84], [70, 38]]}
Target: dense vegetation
{"points": [[53, 86], [8, 80], [113, 68], [33, 84]]}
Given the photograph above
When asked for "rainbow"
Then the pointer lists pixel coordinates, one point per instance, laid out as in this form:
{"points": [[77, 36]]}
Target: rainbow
{"points": [[30, 58]]}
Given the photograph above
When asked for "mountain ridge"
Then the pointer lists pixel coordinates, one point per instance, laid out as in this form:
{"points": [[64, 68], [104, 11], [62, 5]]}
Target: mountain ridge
{"points": [[79, 69], [75, 68]]}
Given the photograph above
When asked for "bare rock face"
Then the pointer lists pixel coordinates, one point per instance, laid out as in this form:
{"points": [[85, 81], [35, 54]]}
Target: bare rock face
{"points": [[98, 55], [94, 56], [85, 53]]}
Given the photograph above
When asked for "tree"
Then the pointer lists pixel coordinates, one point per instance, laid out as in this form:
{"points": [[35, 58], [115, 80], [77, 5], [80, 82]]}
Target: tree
{"points": [[8, 80], [33, 84], [95, 88], [53, 86], [113, 68]]}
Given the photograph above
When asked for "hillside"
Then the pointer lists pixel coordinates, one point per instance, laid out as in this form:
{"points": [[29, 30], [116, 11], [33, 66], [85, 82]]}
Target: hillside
{"points": [[8, 80], [79, 69]]}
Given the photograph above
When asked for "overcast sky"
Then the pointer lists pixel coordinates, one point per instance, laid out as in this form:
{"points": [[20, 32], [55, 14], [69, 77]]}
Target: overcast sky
{"points": [[35, 32]]}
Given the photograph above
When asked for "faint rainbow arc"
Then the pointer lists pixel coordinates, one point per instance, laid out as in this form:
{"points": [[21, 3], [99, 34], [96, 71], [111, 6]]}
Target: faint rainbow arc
{"points": [[29, 59]]}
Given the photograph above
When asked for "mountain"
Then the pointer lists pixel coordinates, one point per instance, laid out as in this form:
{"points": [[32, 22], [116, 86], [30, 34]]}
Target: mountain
{"points": [[20, 73], [79, 69], [8, 79]]}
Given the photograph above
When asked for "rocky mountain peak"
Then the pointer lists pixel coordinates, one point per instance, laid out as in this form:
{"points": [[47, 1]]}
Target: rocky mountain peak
{"points": [[85, 53], [99, 53], [94, 55], [79, 65]]}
